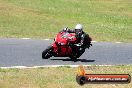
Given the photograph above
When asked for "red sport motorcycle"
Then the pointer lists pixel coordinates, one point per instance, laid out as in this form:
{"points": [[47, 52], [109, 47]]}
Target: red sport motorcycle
{"points": [[63, 47]]}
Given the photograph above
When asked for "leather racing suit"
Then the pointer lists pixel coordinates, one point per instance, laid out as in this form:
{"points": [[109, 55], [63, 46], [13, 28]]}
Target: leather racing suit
{"points": [[84, 41]]}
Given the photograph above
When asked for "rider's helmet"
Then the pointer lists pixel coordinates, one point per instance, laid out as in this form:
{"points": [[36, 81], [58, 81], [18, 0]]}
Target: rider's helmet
{"points": [[78, 29]]}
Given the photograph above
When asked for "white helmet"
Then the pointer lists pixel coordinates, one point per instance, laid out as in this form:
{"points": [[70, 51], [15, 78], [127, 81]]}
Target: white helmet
{"points": [[79, 27]]}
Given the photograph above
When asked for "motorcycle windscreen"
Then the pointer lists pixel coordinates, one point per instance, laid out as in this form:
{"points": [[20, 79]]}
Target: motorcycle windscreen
{"points": [[61, 39]]}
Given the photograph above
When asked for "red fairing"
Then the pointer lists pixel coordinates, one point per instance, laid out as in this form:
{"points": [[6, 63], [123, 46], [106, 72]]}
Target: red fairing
{"points": [[61, 47], [64, 51], [65, 37], [55, 47]]}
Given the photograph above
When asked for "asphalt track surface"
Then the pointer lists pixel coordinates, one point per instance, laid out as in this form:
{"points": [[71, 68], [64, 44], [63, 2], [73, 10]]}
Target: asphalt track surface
{"points": [[27, 52]]}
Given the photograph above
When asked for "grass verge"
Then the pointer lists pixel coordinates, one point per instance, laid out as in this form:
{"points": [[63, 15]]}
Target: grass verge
{"points": [[104, 20], [60, 77]]}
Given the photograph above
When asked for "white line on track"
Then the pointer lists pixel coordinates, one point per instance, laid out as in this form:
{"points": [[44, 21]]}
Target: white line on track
{"points": [[44, 66], [93, 41], [50, 39], [118, 42], [46, 39], [25, 38]]}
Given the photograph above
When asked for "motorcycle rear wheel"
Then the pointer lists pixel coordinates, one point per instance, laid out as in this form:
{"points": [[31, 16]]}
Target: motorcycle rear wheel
{"points": [[74, 57], [47, 53]]}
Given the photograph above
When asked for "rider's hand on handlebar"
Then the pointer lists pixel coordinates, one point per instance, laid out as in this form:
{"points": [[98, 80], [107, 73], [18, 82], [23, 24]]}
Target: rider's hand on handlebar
{"points": [[78, 44], [65, 29]]}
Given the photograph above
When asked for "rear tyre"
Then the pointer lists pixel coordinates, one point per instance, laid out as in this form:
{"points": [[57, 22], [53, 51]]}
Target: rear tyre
{"points": [[47, 53], [74, 57]]}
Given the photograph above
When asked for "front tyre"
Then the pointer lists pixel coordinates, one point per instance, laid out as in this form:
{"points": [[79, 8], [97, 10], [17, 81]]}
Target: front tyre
{"points": [[47, 53]]}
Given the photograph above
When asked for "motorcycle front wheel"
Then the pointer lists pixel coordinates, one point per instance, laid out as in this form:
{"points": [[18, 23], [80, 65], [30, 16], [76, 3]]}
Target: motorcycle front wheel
{"points": [[47, 53]]}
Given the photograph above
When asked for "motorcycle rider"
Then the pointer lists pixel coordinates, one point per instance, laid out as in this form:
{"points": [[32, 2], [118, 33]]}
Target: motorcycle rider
{"points": [[84, 41]]}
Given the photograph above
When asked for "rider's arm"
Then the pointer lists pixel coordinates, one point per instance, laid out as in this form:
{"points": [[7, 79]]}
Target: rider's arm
{"points": [[68, 30]]}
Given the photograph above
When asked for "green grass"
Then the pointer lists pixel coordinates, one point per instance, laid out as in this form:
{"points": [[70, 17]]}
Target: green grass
{"points": [[60, 77], [104, 20]]}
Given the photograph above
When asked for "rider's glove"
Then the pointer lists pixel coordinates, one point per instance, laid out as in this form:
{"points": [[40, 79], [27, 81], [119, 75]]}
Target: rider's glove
{"points": [[65, 29], [79, 45]]}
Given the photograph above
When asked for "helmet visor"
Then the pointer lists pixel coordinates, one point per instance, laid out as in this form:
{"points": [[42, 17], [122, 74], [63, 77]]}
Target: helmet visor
{"points": [[77, 30]]}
